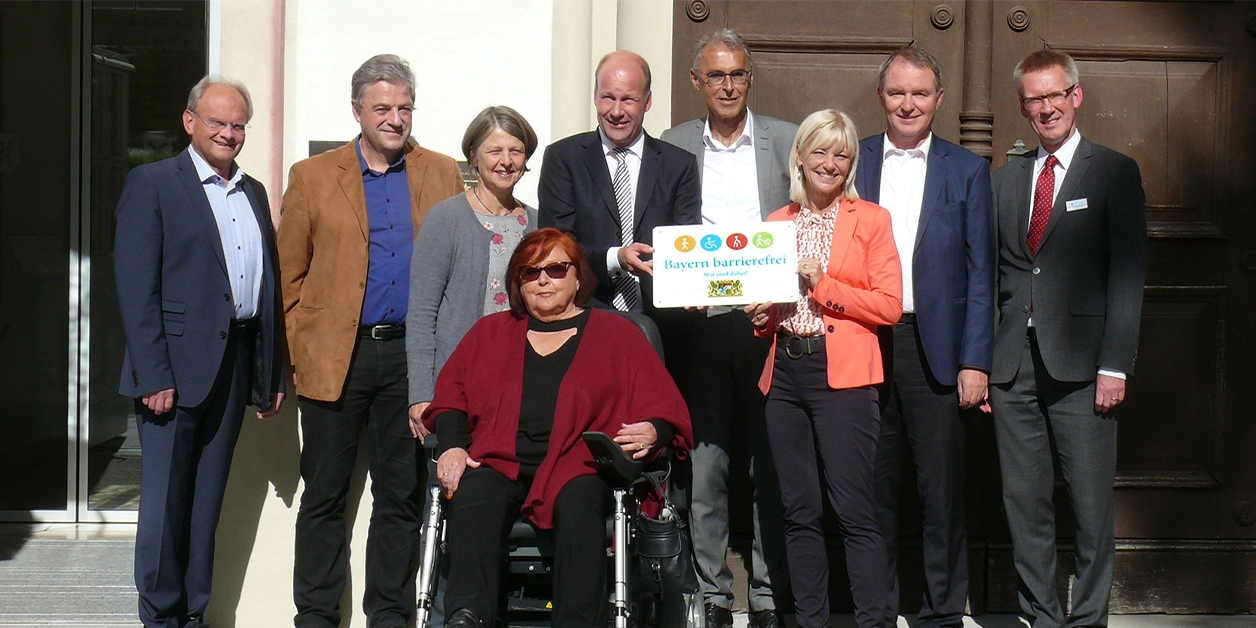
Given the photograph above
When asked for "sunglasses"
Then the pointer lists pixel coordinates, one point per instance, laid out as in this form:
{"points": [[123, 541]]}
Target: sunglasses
{"points": [[557, 270]]}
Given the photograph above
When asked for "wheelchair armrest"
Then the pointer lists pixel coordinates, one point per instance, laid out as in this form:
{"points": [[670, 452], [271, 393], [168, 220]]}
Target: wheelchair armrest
{"points": [[612, 461]]}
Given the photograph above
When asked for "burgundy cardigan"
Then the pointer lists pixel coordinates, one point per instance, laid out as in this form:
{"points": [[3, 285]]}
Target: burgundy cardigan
{"points": [[615, 378]]}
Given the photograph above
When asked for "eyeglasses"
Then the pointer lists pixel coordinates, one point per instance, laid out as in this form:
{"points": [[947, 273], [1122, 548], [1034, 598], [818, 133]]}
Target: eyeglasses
{"points": [[217, 126], [715, 79], [1057, 99], [557, 270]]}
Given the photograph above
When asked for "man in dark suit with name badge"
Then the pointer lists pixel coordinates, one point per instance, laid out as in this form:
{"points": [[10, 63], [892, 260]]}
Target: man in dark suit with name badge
{"points": [[199, 292], [612, 186], [1072, 237], [743, 159], [938, 355]]}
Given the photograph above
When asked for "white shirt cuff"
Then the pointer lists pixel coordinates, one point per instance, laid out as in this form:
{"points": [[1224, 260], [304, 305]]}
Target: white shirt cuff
{"points": [[1112, 373], [612, 262]]}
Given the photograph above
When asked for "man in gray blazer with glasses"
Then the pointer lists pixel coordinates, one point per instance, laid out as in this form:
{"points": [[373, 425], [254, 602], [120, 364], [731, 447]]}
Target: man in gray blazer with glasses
{"points": [[743, 159]]}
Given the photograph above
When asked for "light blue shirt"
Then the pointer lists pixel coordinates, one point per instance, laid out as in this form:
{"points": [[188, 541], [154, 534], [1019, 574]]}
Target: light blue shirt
{"points": [[240, 234]]}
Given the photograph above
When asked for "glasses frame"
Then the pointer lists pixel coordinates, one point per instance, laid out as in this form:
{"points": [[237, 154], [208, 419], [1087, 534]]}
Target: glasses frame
{"points": [[1057, 99], [218, 126], [529, 274], [716, 79]]}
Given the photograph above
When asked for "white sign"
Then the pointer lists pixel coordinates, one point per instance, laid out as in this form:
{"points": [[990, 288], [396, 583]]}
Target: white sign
{"points": [[698, 265]]}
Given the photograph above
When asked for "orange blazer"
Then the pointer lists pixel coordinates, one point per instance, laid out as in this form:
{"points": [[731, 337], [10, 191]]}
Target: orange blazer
{"points": [[323, 241], [862, 288]]}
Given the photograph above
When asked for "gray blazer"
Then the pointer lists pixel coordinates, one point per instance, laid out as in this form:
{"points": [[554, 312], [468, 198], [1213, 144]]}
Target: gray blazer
{"points": [[773, 141], [448, 272], [1084, 288]]}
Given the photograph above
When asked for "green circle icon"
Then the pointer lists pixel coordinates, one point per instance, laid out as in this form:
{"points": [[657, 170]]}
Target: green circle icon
{"points": [[762, 240]]}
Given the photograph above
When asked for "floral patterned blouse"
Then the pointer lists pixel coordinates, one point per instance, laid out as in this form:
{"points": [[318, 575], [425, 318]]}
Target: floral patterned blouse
{"points": [[507, 232], [815, 239]]}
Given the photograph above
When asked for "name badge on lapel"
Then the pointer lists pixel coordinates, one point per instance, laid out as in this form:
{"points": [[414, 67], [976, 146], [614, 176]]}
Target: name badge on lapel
{"points": [[1075, 204]]}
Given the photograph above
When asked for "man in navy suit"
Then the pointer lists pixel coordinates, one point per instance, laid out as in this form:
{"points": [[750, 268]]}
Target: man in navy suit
{"points": [[1072, 237], [939, 354], [198, 289], [611, 187]]}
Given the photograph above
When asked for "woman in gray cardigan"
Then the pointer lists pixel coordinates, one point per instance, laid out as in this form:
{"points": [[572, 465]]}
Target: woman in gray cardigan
{"points": [[457, 273]]}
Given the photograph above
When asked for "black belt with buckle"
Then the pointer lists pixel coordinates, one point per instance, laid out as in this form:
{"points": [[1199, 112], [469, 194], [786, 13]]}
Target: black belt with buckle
{"points": [[247, 326], [382, 332], [798, 346]]}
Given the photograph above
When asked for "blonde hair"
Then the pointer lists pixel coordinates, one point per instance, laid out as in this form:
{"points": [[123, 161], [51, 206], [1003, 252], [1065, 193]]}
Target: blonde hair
{"points": [[827, 127]]}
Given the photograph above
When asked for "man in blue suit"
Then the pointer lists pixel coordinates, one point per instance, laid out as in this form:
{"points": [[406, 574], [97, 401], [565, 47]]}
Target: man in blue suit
{"points": [[198, 289], [939, 355]]}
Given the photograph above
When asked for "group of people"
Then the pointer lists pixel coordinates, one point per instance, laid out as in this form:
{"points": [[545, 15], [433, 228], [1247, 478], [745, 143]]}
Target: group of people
{"points": [[405, 305]]}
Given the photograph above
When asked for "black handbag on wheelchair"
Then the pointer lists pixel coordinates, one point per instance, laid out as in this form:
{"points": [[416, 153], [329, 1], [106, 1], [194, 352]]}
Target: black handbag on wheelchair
{"points": [[662, 561]]}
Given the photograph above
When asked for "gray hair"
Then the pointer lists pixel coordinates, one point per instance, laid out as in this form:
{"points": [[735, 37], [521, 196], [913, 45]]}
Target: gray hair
{"points": [[1046, 59], [385, 67], [824, 128], [198, 91], [913, 56], [500, 117], [726, 37]]}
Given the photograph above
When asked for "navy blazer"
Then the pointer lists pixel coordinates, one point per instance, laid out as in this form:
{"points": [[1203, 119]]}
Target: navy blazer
{"points": [[173, 288], [575, 192], [954, 257]]}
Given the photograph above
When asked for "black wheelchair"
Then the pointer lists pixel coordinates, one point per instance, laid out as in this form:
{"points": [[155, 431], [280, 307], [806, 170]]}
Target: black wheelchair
{"points": [[529, 559]]}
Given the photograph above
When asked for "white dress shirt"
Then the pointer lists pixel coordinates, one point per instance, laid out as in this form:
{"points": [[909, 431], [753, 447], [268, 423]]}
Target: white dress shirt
{"points": [[730, 178], [633, 160], [240, 234], [902, 193]]}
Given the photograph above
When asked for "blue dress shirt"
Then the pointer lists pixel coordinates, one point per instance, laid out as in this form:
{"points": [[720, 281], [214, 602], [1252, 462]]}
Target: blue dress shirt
{"points": [[392, 240]]}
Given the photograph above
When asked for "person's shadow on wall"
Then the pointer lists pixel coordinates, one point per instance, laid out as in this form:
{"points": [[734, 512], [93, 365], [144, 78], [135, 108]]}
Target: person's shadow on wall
{"points": [[267, 457]]}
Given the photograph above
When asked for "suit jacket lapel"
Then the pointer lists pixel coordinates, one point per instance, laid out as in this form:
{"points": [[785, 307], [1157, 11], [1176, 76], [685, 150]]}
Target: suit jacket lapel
{"points": [[595, 162], [1068, 188], [200, 204], [416, 171], [651, 166], [762, 164], [843, 233], [868, 174], [1021, 192], [696, 145], [350, 180], [935, 175]]}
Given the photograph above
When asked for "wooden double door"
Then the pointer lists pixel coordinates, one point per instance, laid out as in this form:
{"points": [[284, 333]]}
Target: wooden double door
{"points": [[1173, 85]]}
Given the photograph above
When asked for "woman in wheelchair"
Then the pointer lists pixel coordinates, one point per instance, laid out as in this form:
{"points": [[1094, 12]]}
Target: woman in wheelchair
{"points": [[509, 409]]}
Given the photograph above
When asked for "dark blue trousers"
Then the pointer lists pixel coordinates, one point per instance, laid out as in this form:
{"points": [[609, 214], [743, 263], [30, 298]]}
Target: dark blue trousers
{"points": [[186, 456], [825, 440]]}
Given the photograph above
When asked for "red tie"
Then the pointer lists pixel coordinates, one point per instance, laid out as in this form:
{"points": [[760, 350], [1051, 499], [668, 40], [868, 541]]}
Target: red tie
{"points": [[1042, 204]]}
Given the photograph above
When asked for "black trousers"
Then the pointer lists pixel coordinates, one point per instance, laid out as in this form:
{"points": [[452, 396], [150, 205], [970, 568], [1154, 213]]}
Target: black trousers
{"points": [[921, 422], [375, 398], [478, 522], [186, 457], [825, 440]]}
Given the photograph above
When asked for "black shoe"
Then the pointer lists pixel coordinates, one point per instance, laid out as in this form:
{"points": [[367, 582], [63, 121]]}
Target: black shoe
{"points": [[463, 618], [717, 616], [764, 619]]}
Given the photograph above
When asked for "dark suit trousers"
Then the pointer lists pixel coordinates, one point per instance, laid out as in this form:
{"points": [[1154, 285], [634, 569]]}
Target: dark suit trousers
{"points": [[375, 398], [921, 421], [1034, 415], [186, 456], [819, 434], [478, 522], [727, 411]]}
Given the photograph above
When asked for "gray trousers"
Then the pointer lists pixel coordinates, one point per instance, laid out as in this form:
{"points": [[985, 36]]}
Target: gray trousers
{"points": [[727, 412], [1034, 415]]}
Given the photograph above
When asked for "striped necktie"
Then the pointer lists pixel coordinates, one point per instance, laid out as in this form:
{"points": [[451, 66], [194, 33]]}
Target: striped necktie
{"points": [[627, 290]]}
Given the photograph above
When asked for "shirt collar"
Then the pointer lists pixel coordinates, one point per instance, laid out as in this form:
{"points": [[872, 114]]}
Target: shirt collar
{"points": [[395, 166], [888, 148], [206, 173], [635, 147], [1064, 154], [745, 139]]}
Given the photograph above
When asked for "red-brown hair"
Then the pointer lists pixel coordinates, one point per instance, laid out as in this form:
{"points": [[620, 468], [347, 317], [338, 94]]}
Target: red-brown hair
{"points": [[533, 250]]}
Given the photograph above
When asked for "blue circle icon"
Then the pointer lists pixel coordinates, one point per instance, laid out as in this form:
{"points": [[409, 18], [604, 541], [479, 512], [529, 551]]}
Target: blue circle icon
{"points": [[711, 242]]}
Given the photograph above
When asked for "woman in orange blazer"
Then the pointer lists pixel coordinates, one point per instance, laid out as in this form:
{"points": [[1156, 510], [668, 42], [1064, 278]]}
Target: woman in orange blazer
{"points": [[822, 409]]}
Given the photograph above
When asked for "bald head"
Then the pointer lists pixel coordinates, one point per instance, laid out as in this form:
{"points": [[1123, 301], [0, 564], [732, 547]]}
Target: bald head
{"points": [[622, 96]]}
